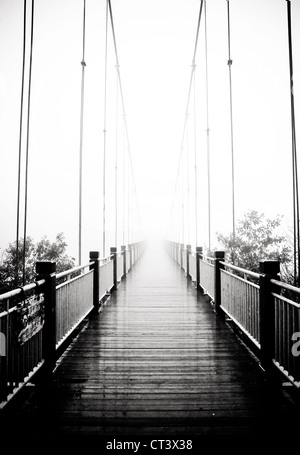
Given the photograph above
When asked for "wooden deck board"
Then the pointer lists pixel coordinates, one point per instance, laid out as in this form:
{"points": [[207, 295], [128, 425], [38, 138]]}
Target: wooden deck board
{"points": [[156, 360]]}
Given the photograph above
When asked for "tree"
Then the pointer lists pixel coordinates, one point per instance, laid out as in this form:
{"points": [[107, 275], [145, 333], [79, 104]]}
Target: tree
{"points": [[56, 251], [44, 250], [11, 276], [256, 238]]}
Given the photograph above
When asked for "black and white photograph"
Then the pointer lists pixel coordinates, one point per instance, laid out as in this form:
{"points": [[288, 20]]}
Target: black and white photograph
{"points": [[150, 225]]}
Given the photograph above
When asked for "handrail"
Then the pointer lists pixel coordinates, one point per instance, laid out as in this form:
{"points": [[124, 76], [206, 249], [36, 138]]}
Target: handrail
{"points": [[207, 259], [240, 269], [73, 270], [19, 290], [286, 286]]}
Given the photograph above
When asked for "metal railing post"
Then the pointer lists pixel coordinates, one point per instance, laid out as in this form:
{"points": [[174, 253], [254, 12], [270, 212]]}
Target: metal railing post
{"points": [[268, 270], [113, 252], [219, 257], [130, 255], [199, 252], [94, 257], [46, 270], [181, 254], [3, 368], [188, 255], [123, 249], [133, 253]]}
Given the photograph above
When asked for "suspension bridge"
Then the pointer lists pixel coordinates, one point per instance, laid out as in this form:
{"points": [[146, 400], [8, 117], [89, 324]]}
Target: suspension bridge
{"points": [[148, 337]]}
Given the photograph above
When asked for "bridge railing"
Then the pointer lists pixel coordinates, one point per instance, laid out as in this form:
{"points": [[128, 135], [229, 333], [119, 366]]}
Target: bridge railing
{"points": [[74, 300], [106, 277], [206, 272], [286, 313], [265, 310], [21, 320], [193, 266], [240, 299], [37, 320]]}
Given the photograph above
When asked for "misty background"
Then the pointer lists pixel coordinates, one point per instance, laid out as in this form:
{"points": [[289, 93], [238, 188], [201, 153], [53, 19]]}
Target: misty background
{"points": [[155, 42]]}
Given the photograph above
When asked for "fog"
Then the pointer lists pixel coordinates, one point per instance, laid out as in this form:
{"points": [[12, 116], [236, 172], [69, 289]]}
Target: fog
{"points": [[155, 41]]}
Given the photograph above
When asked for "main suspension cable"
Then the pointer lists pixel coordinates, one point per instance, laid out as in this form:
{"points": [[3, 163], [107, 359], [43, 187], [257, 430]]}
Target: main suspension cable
{"points": [[83, 65], [104, 139], [294, 154], [20, 145], [207, 133], [229, 62], [27, 143]]}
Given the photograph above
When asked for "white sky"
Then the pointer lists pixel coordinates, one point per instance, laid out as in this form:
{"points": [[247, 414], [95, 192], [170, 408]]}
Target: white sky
{"points": [[155, 41]]}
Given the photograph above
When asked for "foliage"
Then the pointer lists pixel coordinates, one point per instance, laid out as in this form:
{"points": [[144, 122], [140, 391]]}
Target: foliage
{"points": [[256, 238], [43, 250]]}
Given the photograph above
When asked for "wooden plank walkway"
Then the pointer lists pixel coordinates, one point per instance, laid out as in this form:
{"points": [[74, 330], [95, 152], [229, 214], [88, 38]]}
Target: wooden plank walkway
{"points": [[156, 360]]}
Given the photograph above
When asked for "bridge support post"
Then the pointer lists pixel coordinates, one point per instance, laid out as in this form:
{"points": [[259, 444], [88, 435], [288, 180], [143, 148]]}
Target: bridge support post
{"points": [[269, 270], [181, 254], [175, 251], [130, 255], [188, 254], [113, 252], [46, 270], [123, 249], [133, 245], [94, 257], [169, 247], [219, 257], [3, 368], [199, 252]]}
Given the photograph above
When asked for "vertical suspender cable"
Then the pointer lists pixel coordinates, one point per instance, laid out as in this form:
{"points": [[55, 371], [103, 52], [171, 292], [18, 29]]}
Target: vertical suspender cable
{"points": [[182, 204], [294, 155], [207, 134], [27, 143], [195, 169], [178, 212], [231, 132], [124, 185], [83, 65], [104, 138], [128, 201], [20, 147], [187, 185], [116, 167]]}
